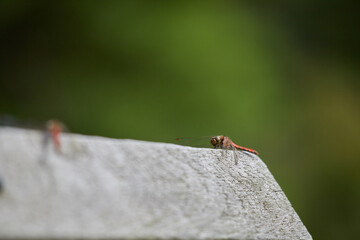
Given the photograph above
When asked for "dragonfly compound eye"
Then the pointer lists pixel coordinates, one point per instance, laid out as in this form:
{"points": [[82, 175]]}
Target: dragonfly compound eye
{"points": [[213, 141]]}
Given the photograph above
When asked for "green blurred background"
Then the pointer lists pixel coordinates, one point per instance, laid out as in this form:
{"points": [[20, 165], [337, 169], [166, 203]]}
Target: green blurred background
{"points": [[281, 77]]}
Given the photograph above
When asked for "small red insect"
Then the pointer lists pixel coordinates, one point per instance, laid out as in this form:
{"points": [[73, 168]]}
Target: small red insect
{"points": [[55, 128], [225, 142]]}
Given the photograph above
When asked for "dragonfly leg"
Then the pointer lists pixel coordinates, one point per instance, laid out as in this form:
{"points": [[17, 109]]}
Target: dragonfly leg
{"points": [[235, 156]]}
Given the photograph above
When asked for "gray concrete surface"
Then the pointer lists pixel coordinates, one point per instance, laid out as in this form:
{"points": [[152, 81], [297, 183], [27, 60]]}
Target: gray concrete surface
{"points": [[104, 188]]}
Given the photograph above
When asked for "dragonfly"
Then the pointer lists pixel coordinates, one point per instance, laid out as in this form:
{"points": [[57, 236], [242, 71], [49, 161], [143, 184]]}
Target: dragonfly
{"points": [[224, 142]]}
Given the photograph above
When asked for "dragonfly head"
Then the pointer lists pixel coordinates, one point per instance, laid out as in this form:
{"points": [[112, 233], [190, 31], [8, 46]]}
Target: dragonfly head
{"points": [[217, 140]]}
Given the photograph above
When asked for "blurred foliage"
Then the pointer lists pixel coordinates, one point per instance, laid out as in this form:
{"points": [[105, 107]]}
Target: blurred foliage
{"points": [[281, 77]]}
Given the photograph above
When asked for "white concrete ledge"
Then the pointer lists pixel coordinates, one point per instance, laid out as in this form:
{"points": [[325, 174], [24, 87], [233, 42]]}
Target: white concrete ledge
{"points": [[100, 188]]}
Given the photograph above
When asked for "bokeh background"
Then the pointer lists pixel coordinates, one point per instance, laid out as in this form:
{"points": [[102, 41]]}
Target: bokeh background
{"points": [[281, 77]]}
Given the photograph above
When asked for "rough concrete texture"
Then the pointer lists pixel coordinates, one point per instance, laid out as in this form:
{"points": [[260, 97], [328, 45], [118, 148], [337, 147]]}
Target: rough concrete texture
{"points": [[108, 188]]}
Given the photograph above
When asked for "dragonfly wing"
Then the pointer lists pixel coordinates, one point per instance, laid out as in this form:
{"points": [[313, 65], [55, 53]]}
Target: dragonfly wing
{"points": [[249, 154], [235, 156], [200, 142], [239, 153]]}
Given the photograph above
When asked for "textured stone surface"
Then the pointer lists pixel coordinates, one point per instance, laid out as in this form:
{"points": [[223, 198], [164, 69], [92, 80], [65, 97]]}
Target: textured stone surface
{"points": [[108, 188]]}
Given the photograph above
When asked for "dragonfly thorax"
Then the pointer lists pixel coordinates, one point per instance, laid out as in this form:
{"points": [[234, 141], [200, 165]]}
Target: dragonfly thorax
{"points": [[217, 141], [221, 141]]}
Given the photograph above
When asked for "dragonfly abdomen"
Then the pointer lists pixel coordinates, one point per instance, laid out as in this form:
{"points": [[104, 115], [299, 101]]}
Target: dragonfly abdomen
{"points": [[246, 149]]}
